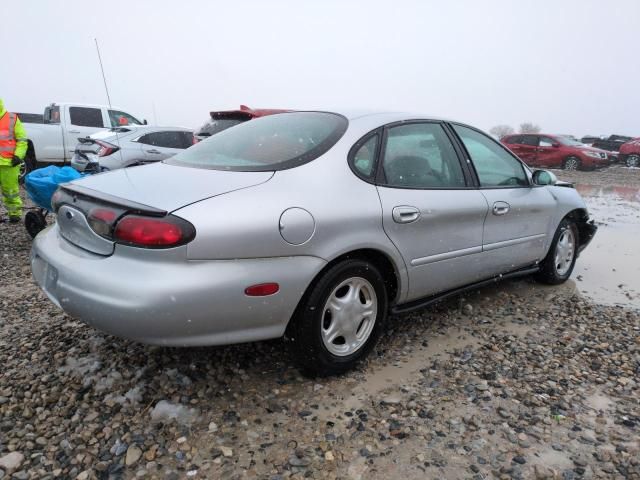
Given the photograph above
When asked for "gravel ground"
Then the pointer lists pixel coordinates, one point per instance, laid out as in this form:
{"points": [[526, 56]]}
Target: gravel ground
{"points": [[512, 381]]}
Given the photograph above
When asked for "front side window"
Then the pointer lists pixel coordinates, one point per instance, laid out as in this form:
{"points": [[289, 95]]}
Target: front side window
{"points": [[275, 142], [530, 140], [420, 155], [121, 119], [86, 117], [546, 142], [494, 165]]}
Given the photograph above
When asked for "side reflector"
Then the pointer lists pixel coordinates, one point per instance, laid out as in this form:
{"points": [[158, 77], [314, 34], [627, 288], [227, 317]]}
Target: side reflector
{"points": [[262, 289]]}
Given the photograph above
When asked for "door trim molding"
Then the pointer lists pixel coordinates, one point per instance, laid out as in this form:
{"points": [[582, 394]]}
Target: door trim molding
{"points": [[416, 262], [509, 243]]}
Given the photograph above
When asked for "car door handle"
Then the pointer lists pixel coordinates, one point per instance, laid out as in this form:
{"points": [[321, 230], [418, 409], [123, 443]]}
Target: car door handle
{"points": [[405, 214], [153, 151], [74, 131], [501, 208]]}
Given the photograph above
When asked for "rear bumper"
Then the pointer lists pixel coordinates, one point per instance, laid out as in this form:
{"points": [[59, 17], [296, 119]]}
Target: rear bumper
{"points": [[170, 300]]}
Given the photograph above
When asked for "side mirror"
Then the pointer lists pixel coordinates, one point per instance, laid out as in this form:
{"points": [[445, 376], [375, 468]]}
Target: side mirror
{"points": [[543, 177], [144, 121]]}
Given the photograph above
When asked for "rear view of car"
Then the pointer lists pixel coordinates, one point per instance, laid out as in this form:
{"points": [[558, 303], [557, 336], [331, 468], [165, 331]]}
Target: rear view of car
{"points": [[129, 146], [222, 120]]}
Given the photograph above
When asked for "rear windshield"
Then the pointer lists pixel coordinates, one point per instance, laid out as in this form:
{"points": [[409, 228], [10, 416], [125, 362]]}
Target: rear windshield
{"points": [[216, 126], [275, 142]]}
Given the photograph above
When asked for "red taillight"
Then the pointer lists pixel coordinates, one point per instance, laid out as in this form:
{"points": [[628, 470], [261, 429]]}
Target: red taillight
{"points": [[153, 232], [106, 148], [101, 220], [262, 289], [194, 140]]}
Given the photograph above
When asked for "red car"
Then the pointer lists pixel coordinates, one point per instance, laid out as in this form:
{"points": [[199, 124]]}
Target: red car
{"points": [[555, 151], [224, 119], [630, 153]]}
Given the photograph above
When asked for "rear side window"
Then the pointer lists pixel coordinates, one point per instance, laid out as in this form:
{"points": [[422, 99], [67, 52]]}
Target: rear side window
{"points": [[164, 139], [363, 158], [530, 140], [275, 142], [494, 165], [421, 156], [86, 117]]}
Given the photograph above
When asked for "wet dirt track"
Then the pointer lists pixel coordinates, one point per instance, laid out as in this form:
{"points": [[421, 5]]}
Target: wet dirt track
{"points": [[511, 381]]}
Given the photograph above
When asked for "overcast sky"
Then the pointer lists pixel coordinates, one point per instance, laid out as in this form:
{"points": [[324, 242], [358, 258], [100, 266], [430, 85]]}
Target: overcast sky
{"points": [[570, 66]]}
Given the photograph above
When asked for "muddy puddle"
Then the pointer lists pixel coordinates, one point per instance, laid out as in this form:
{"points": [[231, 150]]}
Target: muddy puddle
{"points": [[608, 271]]}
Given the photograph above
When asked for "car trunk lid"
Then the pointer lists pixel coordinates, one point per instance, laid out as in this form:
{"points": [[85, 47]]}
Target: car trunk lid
{"points": [[88, 209]]}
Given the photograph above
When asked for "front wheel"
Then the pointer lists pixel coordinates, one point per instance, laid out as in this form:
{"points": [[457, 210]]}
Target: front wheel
{"points": [[28, 165], [557, 266], [571, 163], [339, 320], [633, 161]]}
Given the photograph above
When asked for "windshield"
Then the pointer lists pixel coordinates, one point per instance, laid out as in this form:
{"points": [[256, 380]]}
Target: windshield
{"points": [[568, 141], [275, 142]]}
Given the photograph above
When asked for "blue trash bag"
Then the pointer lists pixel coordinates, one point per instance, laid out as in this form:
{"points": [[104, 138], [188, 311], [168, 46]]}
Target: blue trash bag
{"points": [[43, 182]]}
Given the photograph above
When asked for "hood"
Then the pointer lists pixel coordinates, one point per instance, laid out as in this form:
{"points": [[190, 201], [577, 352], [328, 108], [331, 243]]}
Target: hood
{"points": [[2, 110], [169, 187]]}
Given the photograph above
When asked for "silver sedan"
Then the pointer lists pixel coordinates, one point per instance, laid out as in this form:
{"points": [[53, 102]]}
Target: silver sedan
{"points": [[129, 146], [311, 225]]}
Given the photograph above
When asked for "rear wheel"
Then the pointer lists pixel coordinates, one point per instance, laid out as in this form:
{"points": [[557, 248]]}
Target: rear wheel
{"points": [[633, 160], [339, 320], [571, 163], [558, 264]]}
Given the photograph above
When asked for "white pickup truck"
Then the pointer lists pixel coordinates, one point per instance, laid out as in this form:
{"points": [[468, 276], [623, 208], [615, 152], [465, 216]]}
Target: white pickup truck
{"points": [[54, 140]]}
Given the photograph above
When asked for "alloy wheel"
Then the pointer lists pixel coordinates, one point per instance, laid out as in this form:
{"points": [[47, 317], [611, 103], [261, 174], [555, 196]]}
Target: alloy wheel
{"points": [[565, 250], [633, 161], [349, 316], [571, 163]]}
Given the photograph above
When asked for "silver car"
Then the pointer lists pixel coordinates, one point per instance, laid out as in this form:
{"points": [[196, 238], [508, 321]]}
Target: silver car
{"points": [[311, 225], [129, 146]]}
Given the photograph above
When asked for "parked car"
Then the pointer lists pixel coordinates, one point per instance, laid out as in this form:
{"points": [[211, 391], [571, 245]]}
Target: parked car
{"points": [[129, 146], [222, 120], [589, 139], [611, 144], [53, 140], [555, 151], [630, 153], [312, 225]]}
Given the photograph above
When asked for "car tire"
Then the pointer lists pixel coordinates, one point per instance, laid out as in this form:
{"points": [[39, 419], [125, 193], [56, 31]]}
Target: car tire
{"points": [[557, 266], [339, 320], [633, 160], [571, 163], [27, 166]]}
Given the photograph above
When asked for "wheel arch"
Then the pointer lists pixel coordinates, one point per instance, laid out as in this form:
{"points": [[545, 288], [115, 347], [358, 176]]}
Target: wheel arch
{"points": [[381, 260]]}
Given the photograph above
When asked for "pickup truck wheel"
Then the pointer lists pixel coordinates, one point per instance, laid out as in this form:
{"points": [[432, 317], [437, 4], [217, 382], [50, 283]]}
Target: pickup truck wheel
{"points": [[633, 160], [339, 320], [571, 163], [27, 166], [558, 264]]}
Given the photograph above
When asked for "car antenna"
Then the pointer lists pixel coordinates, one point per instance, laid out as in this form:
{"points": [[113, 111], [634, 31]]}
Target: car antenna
{"points": [[106, 89]]}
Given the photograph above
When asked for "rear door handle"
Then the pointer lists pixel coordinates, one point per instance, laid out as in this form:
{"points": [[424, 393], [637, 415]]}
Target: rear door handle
{"points": [[501, 208], [405, 214], [153, 151], [74, 131]]}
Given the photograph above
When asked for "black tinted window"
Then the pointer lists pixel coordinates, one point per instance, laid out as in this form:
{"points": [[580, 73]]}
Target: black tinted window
{"points": [[421, 156], [86, 117], [531, 140], [494, 165], [274, 142], [164, 139], [513, 140]]}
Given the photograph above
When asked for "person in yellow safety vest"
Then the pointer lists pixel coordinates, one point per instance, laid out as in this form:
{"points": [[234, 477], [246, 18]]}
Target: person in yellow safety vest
{"points": [[13, 148]]}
